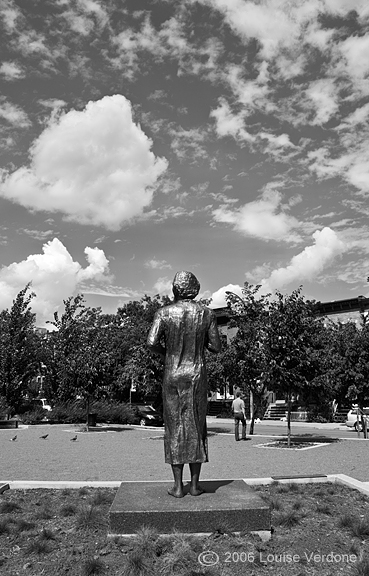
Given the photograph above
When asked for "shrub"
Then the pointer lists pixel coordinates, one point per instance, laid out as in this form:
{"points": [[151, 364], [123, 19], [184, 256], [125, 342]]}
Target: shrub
{"points": [[101, 497], [115, 413], [44, 513], [5, 525], [324, 509], [362, 567], [75, 412], [68, 412], [137, 565], [275, 503], [283, 488], [93, 567], [346, 520], [67, 510], [47, 534], [288, 519], [89, 517], [360, 527], [38, 546], [9, 507], [33, 416], [23, 525]]}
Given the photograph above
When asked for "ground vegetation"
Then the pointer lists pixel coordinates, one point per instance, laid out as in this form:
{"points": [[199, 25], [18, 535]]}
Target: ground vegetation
{"points": [[317, 530]]}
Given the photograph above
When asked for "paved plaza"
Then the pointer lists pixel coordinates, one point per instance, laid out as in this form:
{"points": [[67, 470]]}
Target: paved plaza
{"points": [[127, 453]]}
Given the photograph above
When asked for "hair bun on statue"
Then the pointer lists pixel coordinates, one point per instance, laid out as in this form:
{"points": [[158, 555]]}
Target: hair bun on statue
{"points": [[185, 286]]}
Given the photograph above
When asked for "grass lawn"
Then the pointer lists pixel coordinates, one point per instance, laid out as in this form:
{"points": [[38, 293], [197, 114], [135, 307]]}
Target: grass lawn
{"points": [[318, 529]]}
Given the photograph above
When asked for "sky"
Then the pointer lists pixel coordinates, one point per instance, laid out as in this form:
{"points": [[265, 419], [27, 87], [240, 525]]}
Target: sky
{"points": [[229, 138]]}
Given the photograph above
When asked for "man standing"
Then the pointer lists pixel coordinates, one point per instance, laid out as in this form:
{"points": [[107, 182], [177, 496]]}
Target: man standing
{"points": [[238, 409], [180, 333]]}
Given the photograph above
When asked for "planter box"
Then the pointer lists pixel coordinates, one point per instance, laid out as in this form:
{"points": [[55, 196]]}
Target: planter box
{"points": [[8, 423]]}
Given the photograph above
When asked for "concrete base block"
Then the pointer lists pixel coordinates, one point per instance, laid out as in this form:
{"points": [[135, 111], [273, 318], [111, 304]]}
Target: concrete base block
{"points": [[227, 505]]}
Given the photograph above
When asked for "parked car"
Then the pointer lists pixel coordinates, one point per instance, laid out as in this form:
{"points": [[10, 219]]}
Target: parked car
{"points": [[351, 419], [41, 403], [146, 415]]}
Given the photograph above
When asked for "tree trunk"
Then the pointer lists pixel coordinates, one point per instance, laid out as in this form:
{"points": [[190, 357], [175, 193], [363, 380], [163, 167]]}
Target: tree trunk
{"points": [[87, 412], [358, 421], [252, 417], [289, 420]]}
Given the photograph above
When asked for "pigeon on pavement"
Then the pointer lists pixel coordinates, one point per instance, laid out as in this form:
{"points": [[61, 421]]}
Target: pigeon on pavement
{"points": [[74, 438], [44, 436], [13, 439]]}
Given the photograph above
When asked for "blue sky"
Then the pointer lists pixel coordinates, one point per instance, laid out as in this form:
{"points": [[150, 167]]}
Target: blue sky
{"points": [[225, 137]]}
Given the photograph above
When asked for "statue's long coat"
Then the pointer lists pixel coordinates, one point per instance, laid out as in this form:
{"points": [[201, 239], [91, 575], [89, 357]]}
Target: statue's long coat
{"points": [[185, 328]]}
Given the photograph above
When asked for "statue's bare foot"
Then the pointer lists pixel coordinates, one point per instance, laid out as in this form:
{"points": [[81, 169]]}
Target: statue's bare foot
{"points": [[176, 492], [196, 491]]}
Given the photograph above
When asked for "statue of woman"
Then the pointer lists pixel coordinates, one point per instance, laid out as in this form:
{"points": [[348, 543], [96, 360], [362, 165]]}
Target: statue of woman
{"points": [[180, 333]]}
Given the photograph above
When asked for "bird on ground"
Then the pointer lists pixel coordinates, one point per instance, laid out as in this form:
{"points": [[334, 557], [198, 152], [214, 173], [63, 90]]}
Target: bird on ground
{"points": [[44, 436], [13, 439], [74, 438]]}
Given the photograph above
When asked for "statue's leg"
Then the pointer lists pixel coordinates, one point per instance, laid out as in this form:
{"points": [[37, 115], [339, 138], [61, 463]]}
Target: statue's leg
{"points": [[177, 490], [195, 489]]}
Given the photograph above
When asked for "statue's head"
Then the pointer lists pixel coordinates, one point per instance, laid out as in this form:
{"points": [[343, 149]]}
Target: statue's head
{"points": [[185, 286]]}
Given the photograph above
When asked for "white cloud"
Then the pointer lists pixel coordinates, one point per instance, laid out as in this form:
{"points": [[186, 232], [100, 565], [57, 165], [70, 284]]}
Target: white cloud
{"points": [[255, 275], [323, 95], [10, 14], [81, 17], [97, 267], [228, 123], [218, 297], [251, 20], [358, 116], [352, 166], [163, 286], [188, 143], [14, 114], [355, 50], [157, 264], [11, 71], [264, 218], [309, 263], [250, 93], [94, 166], [54, 275]]}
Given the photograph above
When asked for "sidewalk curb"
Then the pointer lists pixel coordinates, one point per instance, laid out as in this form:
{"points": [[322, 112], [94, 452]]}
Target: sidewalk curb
{"points": [[341, 479]]}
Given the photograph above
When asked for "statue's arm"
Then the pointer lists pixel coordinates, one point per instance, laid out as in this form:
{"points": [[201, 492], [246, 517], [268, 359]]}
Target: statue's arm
{"points": [[213, 343], [155, 336]]}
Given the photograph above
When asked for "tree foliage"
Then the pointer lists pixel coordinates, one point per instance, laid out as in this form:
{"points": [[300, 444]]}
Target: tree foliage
{"points": [[18, 349], [275, 343], [248, 365]]}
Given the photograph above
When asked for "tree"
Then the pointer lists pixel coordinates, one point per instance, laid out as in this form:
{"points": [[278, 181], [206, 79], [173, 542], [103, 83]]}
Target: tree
{"points": [[18, 349], [79, 353], [349, 367], [291, 329], [140, 367], [247, 359]]}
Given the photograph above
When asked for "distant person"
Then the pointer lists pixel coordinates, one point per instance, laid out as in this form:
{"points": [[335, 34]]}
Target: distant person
{"points": [[180, 333], [239, 414]]}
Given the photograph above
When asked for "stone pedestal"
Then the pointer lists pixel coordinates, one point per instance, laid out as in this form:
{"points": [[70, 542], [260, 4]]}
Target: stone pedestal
{"points": [[227, 505]]}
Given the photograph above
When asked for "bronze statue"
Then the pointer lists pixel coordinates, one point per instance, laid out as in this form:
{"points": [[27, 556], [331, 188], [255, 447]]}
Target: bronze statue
{"points": [[180, 333]]}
